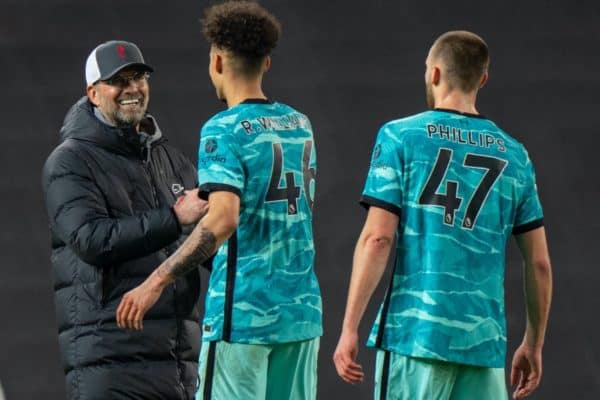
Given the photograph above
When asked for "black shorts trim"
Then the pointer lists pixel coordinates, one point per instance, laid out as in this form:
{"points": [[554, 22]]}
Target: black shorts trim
{"points": [[206, 188], [210, 370], [517, 230], [230, 285], [368, 201]]}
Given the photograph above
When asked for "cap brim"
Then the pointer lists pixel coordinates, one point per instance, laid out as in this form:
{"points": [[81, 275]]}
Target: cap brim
{"points": [[121, 67]]}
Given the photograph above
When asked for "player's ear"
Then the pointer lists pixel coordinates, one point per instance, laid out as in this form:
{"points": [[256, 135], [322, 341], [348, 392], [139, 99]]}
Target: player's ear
{"points": [[267, 63], [435, 75], [483, 80], [218, 63], [92, 94]]}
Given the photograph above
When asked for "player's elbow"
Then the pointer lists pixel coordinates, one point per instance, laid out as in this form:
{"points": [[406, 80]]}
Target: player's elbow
{"points": [[541, 266], [378, 241], [228, 223], [221, 220], [92, 244]]}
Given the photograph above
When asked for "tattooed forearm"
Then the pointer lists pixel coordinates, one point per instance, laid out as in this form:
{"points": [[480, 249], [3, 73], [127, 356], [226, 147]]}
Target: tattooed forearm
{"points": [[197, 248]]}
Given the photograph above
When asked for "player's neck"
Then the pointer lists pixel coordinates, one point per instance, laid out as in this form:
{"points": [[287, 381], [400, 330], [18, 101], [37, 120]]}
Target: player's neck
{"points": [[238, 91], [458, 101]]}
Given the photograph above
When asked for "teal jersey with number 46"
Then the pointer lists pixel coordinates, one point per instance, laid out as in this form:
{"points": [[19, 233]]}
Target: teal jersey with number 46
{"points": [[461, 186], [262, 286]]}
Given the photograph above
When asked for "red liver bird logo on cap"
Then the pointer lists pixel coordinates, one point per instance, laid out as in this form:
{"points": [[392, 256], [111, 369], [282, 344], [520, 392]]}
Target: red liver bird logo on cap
{"points": [[121, 51]]}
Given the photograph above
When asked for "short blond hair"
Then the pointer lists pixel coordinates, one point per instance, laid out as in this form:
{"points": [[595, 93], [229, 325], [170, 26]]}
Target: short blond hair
{"points": [[465, 56]]}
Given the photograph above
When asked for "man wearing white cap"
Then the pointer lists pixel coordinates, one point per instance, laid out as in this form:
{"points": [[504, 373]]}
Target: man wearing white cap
{"points": [[119, 199]]}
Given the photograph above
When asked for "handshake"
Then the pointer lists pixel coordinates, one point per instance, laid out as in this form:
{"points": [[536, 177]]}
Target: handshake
{"points": [[189, 208]]}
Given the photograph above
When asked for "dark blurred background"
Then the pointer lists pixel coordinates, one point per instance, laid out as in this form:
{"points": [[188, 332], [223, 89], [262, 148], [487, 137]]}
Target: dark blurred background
{"points": [[350, 66]]}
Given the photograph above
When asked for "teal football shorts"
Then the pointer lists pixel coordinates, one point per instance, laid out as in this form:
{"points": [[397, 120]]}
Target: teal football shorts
{"points": [[238, 371], [399, 377]]}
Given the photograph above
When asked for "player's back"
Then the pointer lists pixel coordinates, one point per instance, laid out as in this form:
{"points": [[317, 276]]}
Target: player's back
{"points": [[461, 186], [464, 180], [270, 162]]}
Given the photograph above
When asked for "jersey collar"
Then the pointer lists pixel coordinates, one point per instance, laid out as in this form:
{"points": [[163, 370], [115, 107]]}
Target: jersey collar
{"points": [[257, 101], [460, 113]]}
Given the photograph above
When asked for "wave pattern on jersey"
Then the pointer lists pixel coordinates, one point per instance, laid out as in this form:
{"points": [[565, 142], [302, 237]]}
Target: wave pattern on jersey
{"points": [[264, 151], [447, 295]]}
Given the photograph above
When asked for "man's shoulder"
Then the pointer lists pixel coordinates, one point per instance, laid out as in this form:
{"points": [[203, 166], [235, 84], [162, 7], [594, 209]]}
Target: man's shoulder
{"points": [[509, 139], [218, 123], [409, 120], [233, 115], [287, 109], [67, 158], [299, 118], [68, 149], [239, 124], [400, 127]]}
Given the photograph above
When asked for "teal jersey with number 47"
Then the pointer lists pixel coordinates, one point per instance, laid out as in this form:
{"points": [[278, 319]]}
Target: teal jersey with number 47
{"points": [[262, 287], [461, 186]]}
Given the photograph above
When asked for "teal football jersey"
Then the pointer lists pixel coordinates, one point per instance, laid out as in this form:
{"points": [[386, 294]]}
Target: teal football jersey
{"points": [[262, 287], [461, 186]]}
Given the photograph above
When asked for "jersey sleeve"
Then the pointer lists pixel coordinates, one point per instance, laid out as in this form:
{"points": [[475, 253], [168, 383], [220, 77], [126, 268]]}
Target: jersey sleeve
{"points": [[219, 162], [383, 187], [529, 213]]}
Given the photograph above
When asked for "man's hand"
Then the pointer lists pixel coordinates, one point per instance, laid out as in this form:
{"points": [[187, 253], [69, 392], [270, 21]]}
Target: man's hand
{"points": [[526, 370], [135, 304], [344, 358], [189, 208]]}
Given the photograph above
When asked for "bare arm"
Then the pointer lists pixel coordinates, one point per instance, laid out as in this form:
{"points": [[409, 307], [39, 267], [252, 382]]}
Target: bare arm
{"points": [[527, 362], [217, 226], [538, 284], [370, 259]]}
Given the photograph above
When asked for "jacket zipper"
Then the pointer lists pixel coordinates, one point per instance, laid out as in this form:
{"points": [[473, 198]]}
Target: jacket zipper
{"points": [[147, 166]]}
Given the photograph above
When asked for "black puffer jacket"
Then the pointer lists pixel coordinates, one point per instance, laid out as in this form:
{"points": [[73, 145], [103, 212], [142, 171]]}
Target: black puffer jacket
{"points": [[109, 198]]}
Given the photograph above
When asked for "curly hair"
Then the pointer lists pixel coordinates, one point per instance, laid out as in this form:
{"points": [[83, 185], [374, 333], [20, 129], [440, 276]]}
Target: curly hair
{"points": [[244, 28]]}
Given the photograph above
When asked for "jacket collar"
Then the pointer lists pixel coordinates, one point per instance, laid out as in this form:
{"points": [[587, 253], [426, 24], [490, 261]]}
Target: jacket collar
{"points": [[82, 124]]}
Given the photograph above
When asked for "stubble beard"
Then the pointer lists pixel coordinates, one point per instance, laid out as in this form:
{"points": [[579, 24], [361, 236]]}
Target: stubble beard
{"points": [[429, 95], [124, 115], [221, 95], [131, 117]]}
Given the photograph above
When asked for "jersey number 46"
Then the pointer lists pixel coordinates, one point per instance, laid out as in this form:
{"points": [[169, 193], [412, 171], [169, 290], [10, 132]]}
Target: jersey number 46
{"points": [[290, 192]]}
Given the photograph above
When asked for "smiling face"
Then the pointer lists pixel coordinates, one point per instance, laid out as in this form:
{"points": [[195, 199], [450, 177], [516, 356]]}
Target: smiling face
{"points": [[123, 99]]}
